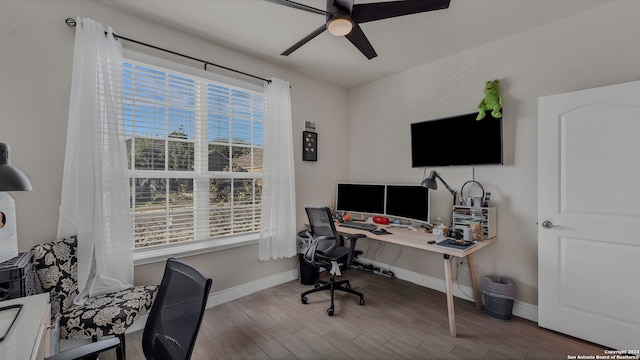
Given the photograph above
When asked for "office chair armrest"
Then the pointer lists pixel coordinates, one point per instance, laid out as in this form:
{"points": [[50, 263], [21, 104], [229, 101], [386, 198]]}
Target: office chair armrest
{"points": [[352, 246], [310, 253], [333, 243], [87, 350]]}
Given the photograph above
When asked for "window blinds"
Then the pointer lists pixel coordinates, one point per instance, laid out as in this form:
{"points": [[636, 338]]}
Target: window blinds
{"points": [[195, 155]]}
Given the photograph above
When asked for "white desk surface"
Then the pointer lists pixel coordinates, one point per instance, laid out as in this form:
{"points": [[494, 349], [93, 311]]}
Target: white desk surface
{"points": [[23, 336], [415, 239], [419, 240]]}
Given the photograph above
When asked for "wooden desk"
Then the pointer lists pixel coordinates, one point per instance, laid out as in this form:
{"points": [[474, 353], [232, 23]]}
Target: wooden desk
{"points": [[29, 337], [418, 239]]}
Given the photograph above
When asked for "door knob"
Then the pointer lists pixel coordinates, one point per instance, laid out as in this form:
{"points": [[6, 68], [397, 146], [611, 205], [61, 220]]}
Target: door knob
{"points": [[548, 224]]}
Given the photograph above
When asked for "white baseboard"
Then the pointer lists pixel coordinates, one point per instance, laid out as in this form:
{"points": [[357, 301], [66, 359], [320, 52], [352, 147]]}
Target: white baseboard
{"points": [[520, 309], [525, 310], [237, 292]]}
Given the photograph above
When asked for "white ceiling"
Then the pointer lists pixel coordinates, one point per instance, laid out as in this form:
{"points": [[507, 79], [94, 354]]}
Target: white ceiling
{"points": [[265, 29]]}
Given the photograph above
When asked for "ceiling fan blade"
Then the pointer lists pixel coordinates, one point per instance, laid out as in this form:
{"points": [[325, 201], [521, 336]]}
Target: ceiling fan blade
{"points": [[345, 4], [298, 6], [377, 11], [305, 40], [359, 40]]}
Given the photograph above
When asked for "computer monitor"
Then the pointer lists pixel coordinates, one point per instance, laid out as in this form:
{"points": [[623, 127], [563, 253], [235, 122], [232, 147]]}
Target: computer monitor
{"points": [[360, 198], [409, 202]]}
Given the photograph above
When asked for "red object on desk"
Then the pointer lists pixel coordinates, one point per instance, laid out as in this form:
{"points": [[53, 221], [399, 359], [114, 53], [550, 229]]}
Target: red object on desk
{"points": [[381, 220]]}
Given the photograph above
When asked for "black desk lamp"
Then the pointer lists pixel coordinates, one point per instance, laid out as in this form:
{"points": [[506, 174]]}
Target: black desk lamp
{"points": [[11, 179], [430, 183]]}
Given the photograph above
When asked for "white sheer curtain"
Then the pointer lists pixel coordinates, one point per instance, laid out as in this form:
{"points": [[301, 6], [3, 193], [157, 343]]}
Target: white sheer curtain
{"points": [[278, 225], [95, 194]]}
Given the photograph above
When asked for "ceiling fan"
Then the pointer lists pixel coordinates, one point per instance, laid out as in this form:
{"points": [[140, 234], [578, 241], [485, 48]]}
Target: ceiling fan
{"points": [[343, 18]]}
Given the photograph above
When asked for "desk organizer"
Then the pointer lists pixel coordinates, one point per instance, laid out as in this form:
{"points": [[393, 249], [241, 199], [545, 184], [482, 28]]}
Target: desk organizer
{"points": [[17, 277], [462, 218]]}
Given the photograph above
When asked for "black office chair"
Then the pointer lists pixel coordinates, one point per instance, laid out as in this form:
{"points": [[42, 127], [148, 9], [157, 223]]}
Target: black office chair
{"points": [[174, 319], [326, 247]]}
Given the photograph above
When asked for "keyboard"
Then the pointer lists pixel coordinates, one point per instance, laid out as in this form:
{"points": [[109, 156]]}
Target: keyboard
{"points": [[359, 225]]}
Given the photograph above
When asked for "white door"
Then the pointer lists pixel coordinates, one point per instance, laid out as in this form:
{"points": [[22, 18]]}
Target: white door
{"points": [[589, 204]]}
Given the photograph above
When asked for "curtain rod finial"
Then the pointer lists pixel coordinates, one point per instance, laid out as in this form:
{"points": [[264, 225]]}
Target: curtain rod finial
{"points": [[70, 22]]}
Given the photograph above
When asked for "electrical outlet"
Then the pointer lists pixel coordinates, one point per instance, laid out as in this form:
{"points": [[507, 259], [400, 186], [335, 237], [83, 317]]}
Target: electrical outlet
{"points": [[464, 266]]}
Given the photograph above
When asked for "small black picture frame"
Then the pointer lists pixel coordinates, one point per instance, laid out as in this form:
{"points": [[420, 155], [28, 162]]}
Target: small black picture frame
{"points": [[309, 146]]}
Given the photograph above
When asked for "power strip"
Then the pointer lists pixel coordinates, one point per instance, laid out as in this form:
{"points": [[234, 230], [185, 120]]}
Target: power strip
{"points": [[375, 270], [384, 273]]}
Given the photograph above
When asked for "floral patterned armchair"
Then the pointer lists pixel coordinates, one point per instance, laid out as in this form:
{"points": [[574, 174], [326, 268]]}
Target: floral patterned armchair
{"points": [[111, 314]]}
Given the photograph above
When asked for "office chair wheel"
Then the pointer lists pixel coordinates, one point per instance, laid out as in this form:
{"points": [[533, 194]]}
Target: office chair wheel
{"points": [[361, 302], [330, 311], [304, 300]]}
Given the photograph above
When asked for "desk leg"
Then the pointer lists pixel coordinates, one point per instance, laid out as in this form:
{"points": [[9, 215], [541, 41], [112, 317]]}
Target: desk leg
{"points": [[475, 281], [449, 291]]}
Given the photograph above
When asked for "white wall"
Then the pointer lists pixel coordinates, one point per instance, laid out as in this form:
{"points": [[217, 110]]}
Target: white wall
{"points": [[591, 49], [35, 80]]}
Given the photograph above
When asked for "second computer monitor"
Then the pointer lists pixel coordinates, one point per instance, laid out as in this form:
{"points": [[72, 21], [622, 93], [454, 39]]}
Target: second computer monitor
{"points": [[408, 202]]}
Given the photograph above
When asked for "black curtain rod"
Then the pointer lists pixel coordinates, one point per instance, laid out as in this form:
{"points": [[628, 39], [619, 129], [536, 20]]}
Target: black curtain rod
{"points": [[72, 23]]}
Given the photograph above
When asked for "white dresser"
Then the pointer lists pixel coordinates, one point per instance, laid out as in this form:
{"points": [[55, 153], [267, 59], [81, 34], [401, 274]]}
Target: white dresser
{"points": [[29, 337]]}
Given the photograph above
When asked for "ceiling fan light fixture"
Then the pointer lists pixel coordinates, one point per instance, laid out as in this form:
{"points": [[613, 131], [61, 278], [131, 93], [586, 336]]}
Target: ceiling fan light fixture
{"points": [[343, 18], [340, 26]]}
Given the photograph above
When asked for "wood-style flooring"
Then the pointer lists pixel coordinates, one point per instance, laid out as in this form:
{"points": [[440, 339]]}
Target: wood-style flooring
{"points": [[399, 320]]}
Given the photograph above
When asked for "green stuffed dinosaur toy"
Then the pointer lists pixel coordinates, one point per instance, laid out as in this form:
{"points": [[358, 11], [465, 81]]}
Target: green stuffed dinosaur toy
{"points": [[491, 102]]}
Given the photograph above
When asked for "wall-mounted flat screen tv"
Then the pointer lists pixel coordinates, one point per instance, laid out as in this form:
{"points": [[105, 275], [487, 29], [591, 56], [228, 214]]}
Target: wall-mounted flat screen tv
{"points": [[457, 140]]}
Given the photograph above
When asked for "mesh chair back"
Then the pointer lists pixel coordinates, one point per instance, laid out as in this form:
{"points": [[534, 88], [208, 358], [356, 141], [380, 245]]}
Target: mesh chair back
{"points": [[321, 222], [176, 315]]}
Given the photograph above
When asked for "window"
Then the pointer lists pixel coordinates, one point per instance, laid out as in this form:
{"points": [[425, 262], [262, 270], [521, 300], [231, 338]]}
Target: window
{"points": [[194, 149]]}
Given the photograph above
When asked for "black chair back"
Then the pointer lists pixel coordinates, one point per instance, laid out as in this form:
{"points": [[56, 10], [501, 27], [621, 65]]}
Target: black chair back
{"points": [[321, 222], [176, 315]]}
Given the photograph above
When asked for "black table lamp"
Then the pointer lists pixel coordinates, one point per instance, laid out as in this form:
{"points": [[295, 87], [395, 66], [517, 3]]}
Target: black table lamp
{"points": [[430, 183], [11, 179]]}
